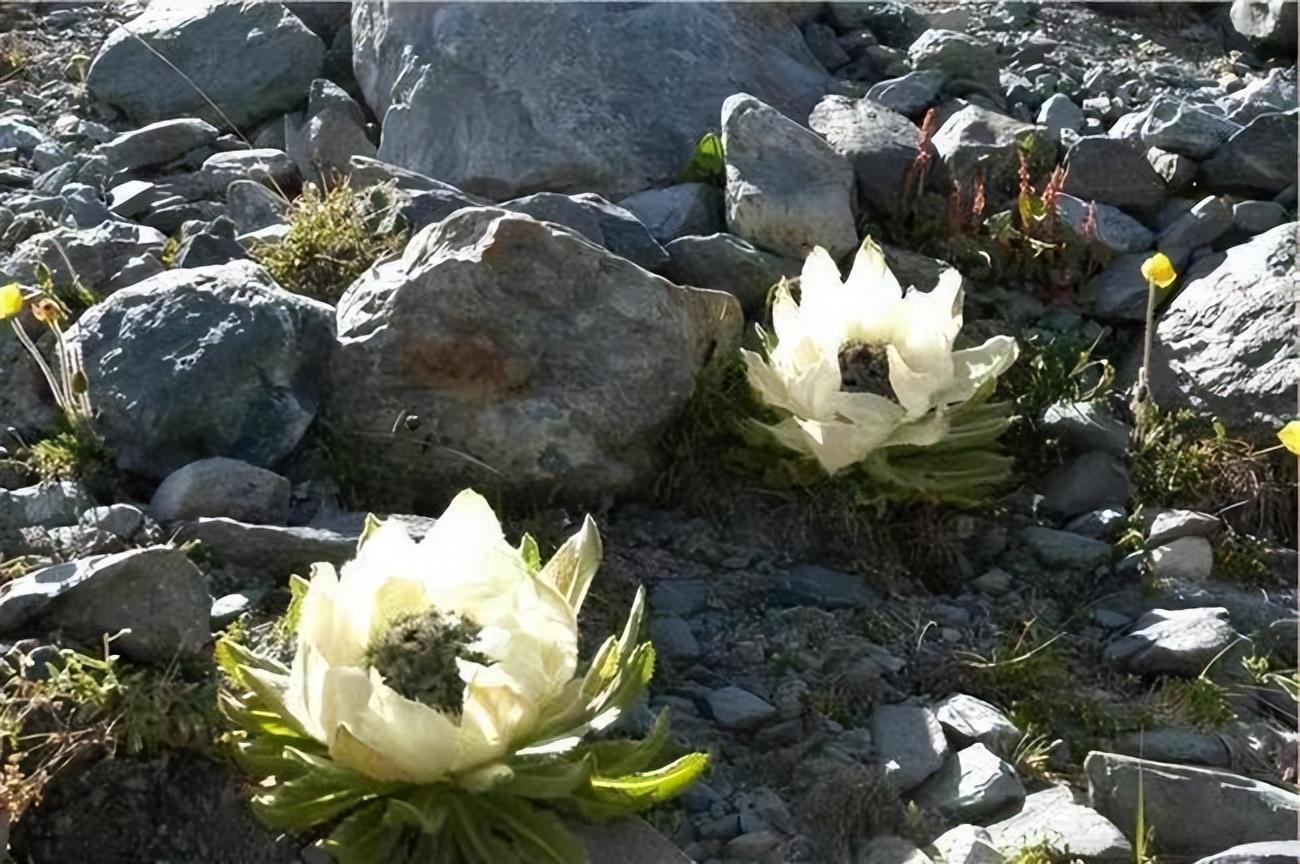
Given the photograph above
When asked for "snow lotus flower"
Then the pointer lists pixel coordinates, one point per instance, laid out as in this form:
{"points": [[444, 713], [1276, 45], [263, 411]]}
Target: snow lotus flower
{"points": [[432, 676], [897, 345]]}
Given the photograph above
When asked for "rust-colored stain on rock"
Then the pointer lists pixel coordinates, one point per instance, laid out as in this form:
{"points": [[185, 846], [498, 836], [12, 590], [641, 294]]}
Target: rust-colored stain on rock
{"points": [[474, 364]]}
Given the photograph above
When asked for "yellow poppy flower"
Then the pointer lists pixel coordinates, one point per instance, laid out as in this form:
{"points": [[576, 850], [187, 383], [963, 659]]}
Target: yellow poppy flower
{"points": [[1289, 435], [11, 300], [1158, 269]]}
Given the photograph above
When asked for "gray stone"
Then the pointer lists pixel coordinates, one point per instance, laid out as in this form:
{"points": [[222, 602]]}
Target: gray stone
{"points": [[156, 144], [1256, 217], [137, 269], [133, 198], [1211, 809], [421, 200], [598, 220], [787, 189], [49, 154], [1172, 524], [1182, 127], [1052, 817], [1063, 549], [966, 844], [1119, 291], [891, 850], [996, 582], [1087, 426], [120, 520], [1225, 344], [910, 743], [880, 144], [155, 594], [958, 56], [270, 166], [896, 23], [222, 487], [228, 608], [909, 94], [627, 841], [1268, 24], [253, 60], [976, 139], [973, 783], [542, 362], [1258, 160], [678, 211], [47, 505], [1175, 169], [1207, 221], [1100, 524], [268, 553], [1184, 558], [1274, 91], [1113, 172], [95, 254], [672, 636], [811, 585], [1059, 112], [25, 400], [823, 45], [1267, 852], [569, 98], [19, 135], [1177, 745], [737, 709], [681, 597], [208, 244], [252, 206], [322, 139], [968, 720], [724, 262], [1104, 225], [1088, 482], [1173, 642], [217, 361], [82, 205]]}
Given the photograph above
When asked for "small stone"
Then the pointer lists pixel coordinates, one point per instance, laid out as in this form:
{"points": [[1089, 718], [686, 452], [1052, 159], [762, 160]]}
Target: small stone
{"points": [[958, 56], [972, 783], [753, 847], [273, 166], [680, 597], [1207, 221], [156, 144], [230, 607], [1267, 852], [1172, 524], [909, 94], [823, 588], [1173, 642], [48, 505], [1105, 225], [966, 844], [724, 262], [1256, 217], [1088, 482], [1063, 549], [1098, 523], [787, 189], [1087, 426], [1052, 817], [1177, 745], [120, 520], [968, 720], [222, 487], [1175, 169], [598, 220], [891, 850], [739, 710], [1059, 112], [910, 743], [672, 635], [1189, 558], [880, 144], [1113, 172], [995, 582], [1182, 127], [678, 211]]}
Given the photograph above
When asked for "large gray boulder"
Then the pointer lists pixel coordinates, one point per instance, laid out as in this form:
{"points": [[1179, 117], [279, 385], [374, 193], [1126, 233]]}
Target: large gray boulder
{"points": [[1174, 641], [910, 743], [503, 352], [724, 262], [1053, 817], [214, 361], [222, 487], [1257, 160], [880, 144], [253, 60], [598, 220], [1114, 172], [1225, 344], [504, 100], [1204, 810], [156, 594], [787, 189]]}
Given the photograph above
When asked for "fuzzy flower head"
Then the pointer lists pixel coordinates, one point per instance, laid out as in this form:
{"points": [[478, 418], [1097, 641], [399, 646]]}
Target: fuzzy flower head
{"points": [[861, 364], [425, 660], [1159, 270]]}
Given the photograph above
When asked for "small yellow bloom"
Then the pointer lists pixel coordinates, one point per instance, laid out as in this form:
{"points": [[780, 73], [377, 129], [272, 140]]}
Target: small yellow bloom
{"points": [[1289, 435], [11, 300], [1159, 270]]}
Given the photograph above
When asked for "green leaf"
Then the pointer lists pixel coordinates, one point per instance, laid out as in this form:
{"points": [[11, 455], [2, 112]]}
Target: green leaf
{"points": [[633, 677], [531, 554], [614, 758], [546, 778], [366, 836], [644, 788], [297, 593], [474, 833], [540, 835], [707, 163], [323, 791]]}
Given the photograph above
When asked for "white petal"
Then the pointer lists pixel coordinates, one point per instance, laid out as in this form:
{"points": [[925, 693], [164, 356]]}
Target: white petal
{"points": [[420, 741], [326, 624], [835, 445], [471, 569], [574, 565], [916, 389], [495, 718], [872, 297], [973, 367]]}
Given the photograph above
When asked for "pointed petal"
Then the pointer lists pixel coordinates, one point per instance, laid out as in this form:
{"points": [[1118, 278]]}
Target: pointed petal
{"points": [[574, 565], [972, 367], [917, 389]]}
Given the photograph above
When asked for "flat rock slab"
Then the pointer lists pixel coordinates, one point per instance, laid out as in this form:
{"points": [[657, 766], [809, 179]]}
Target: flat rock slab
{"points": [[628, 841], [1052, 816]]}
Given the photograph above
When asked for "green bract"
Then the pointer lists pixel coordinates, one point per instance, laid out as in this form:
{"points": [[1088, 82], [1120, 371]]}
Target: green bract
{"points": [[482, 778]]}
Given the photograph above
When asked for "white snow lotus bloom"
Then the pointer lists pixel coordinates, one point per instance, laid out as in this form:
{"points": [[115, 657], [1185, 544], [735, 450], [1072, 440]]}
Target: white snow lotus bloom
{"points": [[434, 678], [899, 343]]}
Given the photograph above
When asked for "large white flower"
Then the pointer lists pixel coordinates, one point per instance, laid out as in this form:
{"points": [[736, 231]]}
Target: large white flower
{"points": [[910, 333], [519, 654]]}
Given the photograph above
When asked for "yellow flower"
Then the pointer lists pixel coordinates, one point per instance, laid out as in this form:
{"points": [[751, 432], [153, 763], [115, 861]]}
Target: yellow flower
{"points": [[11, 300], [1159, 270], [1289, 435]]}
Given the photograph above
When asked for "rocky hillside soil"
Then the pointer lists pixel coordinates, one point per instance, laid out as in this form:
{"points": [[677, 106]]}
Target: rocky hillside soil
{"points": [[556, 284]]}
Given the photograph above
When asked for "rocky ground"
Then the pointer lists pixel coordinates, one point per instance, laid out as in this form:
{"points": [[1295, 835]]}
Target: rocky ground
{"points": [[876, 683]]}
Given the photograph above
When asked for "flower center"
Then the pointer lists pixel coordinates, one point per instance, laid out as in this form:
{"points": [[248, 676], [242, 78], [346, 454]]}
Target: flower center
{"points": [[864, 368], [417, 657]]}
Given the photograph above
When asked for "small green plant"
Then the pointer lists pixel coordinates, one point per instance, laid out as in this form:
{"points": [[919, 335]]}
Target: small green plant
{"points": [[1238, 558], [708, 164], [332, 239], [1033, 756], [1199, 702], [1040, 853], [73, 453]]}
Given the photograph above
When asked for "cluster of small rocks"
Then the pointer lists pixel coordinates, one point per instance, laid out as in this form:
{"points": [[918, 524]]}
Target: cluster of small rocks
{"points": [[545, 325]]}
